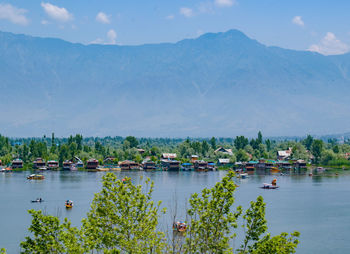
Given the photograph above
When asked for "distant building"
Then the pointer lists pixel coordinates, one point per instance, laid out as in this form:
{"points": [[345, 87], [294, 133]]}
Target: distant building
{"points": [[284, 155], [141, 151], [17, 163], [194, 158], [224, 150], [169, 156], [223, 162]]}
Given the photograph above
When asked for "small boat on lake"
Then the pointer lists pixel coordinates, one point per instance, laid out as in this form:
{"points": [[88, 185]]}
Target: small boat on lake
{"points": [[35, 177], [243, 175], [272, 185], [269, 186], [69, 203], [179, 226], [38, 200], [6, 170]]}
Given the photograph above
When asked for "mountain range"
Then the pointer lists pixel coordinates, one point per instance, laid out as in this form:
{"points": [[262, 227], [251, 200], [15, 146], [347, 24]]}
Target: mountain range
{"points": [[219, 84]]}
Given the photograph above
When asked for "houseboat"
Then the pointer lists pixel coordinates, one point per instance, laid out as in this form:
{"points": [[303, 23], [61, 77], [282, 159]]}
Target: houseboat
{"points": [[211, 166], [66, 165], [170, 165], [52, 164], [250, 166], [17, 163], [300, 164], [39, 163], [148, 165], [201, 166], [92, 165], [285, 165], [109, 161], [187, 166]]}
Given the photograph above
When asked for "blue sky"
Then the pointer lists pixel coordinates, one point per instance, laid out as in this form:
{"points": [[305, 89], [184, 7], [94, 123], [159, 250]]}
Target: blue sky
{"points": [[321, 25]]}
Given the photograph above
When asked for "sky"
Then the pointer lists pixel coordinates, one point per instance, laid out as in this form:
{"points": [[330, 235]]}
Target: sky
{"points": [[317, 25]]}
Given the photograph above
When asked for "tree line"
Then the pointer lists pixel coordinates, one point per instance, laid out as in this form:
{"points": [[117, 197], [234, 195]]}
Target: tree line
{"points": [[317, 151]]}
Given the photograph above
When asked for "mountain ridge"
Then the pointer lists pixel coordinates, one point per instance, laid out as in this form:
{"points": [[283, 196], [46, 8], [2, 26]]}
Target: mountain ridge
{"points": [[219, 84]]}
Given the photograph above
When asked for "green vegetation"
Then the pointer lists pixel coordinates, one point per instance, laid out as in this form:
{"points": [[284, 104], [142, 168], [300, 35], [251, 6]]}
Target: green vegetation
{"points": [[124, 219], [320, 152]]}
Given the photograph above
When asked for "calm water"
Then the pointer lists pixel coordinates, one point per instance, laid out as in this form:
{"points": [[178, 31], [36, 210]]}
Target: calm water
{"points": [[318, 207]]}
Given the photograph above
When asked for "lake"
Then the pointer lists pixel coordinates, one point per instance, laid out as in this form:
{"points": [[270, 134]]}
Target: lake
{"points": [[318, 207]]}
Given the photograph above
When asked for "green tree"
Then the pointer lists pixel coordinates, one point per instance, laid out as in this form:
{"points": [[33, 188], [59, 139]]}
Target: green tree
{"points": [[259, 140], [308, 142], [316, 149], [213, 143], [211, 218], [132, 140], [49, 235], [240, 142], [242, 155], [123, 218]]}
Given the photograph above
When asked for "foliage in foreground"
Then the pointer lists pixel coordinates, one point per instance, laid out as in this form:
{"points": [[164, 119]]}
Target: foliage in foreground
{"points": [[124, 219]]}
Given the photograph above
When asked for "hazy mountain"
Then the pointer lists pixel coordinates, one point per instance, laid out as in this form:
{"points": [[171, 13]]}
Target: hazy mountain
{"points": [[222, 84]]}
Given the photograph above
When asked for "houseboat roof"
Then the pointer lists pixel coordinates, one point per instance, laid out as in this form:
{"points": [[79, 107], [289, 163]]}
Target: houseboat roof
{"points": [[92, 160], [253, 162], [186, 164], [17, 160], [224, 150], [126, 162]]}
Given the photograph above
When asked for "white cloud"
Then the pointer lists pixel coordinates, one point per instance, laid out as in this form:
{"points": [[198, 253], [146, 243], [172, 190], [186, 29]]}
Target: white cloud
{"points": [[111, 39], [330, 45], [57, 13], [170, 17], [103, 18], [45, 22], [187, 12], [13, 14], [224, 3], [298, 21]]}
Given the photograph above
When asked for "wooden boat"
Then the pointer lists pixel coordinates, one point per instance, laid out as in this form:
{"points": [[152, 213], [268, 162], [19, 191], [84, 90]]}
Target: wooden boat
{"points": [[243, 175], [38, 200], [69, 203], [52, 164], [269, 186], [35, 177], [66, 165], [179, 226], [6, 170], [275, 170]]}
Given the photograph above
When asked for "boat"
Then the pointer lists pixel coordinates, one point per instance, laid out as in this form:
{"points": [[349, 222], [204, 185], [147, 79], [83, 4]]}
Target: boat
{"points": [[35, 177], [92, 165], [272, 185], [269, 186], [320, 169], [275, 170], [6, 170], [243, 175], [66, 165], [38, 200], [73, 167], [52, 164], [179, 226], [69, 203], [100, 168]]}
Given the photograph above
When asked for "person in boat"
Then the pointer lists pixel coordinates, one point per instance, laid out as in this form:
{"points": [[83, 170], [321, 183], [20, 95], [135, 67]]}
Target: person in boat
{"points": [[274, 182]]}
